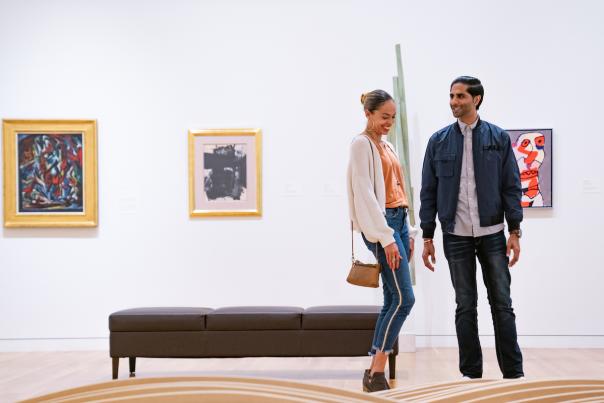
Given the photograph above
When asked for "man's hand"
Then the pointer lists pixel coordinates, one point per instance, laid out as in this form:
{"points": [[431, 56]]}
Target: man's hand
{"points": [[393, 256], [411, 248], [513, 245], [429, 255]]}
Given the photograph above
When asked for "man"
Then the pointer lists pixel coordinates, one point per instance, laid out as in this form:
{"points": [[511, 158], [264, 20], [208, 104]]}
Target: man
{"points": [[470, 178]]}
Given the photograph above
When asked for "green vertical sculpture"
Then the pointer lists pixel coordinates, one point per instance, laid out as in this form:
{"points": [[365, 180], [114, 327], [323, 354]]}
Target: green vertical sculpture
{"points": [[400, 138]]}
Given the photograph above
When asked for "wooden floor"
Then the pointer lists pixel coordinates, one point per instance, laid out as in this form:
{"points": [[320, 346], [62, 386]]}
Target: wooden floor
{"points": [[25, 375]]}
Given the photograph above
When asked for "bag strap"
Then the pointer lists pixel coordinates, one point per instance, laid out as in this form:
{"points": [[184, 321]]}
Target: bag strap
{"points": [[374, 192]]}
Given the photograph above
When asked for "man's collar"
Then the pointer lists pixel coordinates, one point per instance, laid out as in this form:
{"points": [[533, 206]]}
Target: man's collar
{"points": [[462, 125]]}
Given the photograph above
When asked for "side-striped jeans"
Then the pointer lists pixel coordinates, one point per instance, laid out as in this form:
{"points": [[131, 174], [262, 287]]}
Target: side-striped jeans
{"points": [[398, 292]]}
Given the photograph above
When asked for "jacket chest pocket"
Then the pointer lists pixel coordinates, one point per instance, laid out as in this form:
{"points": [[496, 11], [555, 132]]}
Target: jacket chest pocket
{"points": [[491, 156], [444, 164]]}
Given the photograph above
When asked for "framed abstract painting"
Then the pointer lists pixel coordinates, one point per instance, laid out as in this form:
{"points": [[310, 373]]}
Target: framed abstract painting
{"points": [[225, 172], [533, 153], [50, 173]]}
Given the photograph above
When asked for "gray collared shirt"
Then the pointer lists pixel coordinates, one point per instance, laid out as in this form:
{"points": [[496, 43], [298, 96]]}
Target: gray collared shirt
{"points": [[467, 220]]}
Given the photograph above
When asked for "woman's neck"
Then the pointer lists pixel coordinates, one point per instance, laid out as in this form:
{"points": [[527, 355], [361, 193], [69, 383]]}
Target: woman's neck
{"points": [[377, 138]]}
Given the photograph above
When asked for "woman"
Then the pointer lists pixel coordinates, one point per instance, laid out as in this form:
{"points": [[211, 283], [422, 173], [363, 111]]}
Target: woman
{"points": [[378, 209]]}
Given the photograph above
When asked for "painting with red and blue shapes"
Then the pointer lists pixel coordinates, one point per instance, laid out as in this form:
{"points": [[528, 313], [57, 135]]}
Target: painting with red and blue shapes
{"points": [[50, 176]]}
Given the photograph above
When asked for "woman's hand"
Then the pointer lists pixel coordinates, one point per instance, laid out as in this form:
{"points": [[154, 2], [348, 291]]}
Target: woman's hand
{"points": [[393, 256], [411, 247]]}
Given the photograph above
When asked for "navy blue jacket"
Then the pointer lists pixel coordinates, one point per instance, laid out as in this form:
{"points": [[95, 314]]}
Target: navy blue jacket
{"points": [[495, 170]]}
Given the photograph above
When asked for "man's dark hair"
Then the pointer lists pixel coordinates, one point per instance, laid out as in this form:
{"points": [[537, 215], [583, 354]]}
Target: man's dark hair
{"points": [[474, 87]]}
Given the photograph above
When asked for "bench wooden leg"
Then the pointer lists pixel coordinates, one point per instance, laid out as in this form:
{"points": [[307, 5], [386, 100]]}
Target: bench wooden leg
{"points": [[392, 366], [116, 365], [132, 362]]}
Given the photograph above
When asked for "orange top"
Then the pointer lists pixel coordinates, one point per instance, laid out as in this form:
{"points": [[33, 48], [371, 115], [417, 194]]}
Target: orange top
{"points": [[393, 178]]}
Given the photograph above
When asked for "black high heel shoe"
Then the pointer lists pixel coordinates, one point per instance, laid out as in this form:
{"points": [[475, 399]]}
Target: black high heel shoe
{"points": [[377, 382], [366, 380]]}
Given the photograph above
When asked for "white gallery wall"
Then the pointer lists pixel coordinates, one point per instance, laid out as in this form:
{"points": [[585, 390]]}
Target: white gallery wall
{"points": [[149, 71]]}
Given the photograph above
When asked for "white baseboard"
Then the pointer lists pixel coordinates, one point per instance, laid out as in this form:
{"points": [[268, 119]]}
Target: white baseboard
{"points": [[55, 344], [525, 341], [407, 343]]}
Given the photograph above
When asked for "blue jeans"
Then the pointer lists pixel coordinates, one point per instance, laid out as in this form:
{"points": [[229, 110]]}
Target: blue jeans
{"points": [[461, 253], [398, 292]]}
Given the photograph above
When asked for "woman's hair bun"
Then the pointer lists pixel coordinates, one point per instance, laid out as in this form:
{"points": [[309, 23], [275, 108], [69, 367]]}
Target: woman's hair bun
{"points": [[372, 100]]}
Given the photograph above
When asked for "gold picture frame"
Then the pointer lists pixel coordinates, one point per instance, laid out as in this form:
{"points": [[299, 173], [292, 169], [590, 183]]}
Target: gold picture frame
{"points": [[50, 173], [225, 172]]}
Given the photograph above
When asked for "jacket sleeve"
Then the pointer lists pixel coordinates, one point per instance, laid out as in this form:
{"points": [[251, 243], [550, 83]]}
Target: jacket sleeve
{"points": [[369, 215], [511, 190], [428, 207]]}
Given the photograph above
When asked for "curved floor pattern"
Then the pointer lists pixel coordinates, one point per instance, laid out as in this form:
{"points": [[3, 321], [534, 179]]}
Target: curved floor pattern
{"points": [[207, 389], [486, 391], [254, 390]]}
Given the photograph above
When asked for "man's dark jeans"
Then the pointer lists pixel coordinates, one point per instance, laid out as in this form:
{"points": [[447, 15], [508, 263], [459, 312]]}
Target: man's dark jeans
{"points": [[461, 253]]}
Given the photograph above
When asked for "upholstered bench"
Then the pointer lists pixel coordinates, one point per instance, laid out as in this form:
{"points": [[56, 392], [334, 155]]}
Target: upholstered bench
{"points": [[254, 331]]}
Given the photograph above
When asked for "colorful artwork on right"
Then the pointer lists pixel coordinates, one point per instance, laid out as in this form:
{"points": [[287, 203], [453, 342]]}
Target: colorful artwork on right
{"points": [[533, 153]]}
